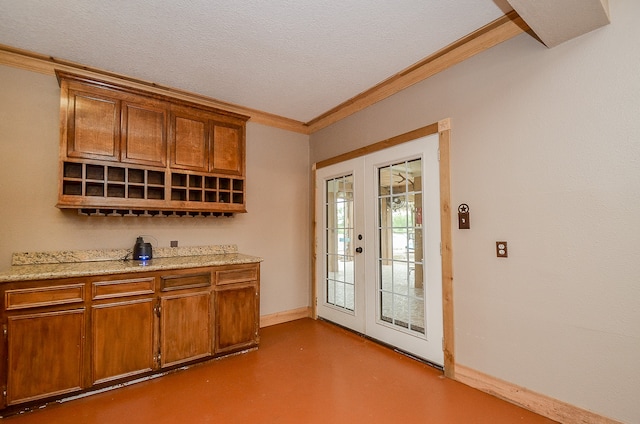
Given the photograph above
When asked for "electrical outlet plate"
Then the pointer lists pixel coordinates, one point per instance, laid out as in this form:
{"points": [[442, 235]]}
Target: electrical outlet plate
{"points": [[501, 249]]}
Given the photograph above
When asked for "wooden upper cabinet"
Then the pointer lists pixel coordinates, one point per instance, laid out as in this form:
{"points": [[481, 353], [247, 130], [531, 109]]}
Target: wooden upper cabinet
{"points": [[113, 126], [144, 138], [129, 148], [202, 141], [189, 134], [227, 154], [92, 125]]}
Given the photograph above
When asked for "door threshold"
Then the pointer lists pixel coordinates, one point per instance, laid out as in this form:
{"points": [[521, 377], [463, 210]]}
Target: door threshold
{"points": [[387, 345]]}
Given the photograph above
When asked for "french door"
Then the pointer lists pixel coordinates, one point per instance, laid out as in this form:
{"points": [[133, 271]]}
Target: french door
{"points": [[378, 233]]}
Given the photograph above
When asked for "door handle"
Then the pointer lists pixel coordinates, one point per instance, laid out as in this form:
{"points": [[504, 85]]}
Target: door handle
{"points": [[358, 249]]}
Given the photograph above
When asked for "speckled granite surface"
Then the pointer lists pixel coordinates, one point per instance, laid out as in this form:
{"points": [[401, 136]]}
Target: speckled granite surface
{"points": [[52, 265], [69, 256]]}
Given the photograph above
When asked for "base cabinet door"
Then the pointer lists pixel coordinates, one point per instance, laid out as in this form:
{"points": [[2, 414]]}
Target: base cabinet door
{"points": [[237, 320], [49, 364], [122, 339], [185, 327]]}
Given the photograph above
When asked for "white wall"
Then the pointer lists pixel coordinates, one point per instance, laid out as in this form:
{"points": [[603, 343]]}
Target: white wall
{"points": [[275, 227], [546, 152]]}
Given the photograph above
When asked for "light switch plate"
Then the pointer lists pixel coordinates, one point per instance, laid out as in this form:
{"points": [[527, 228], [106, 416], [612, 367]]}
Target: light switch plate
{"points": [[501, 249]]}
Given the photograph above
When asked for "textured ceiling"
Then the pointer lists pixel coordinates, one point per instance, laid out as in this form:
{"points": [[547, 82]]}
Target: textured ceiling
{"points": [[293, 58]]}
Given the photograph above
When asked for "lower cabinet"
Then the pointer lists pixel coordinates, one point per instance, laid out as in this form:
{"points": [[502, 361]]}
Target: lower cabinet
{"points": [[63, 337], [122, 335], [237, 308], [236, 317], [185, 327], [44, 354]]}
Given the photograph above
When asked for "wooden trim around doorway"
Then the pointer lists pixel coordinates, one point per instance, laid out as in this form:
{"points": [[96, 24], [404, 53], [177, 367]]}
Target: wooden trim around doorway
{"points": [[443, 128]]}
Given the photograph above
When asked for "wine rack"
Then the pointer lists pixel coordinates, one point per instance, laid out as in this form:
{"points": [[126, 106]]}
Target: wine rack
{"points": [[206, 188], [91, 180], [93, 189]]}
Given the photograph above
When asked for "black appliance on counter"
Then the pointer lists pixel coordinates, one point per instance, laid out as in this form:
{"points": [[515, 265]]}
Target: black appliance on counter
{"points": [[142, 251]]}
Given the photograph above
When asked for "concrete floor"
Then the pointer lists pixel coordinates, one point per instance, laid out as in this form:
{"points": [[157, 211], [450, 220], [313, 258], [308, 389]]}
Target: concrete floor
{"points": [[305, 371]]}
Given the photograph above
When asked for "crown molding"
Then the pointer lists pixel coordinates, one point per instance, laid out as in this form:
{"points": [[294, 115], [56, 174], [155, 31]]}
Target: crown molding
{"points": [[498, 31], [492, 34], [48, 65]]}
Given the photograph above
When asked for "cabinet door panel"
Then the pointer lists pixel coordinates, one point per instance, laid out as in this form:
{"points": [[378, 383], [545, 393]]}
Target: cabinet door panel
{"points": [[185, 327], [227, 151], [122, 339], [236, 317], [45, 355], [94, 127], [189, 143], [144, 134]]}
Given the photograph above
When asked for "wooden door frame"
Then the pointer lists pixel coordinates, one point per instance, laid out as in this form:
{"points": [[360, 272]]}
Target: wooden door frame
{"points": [[443, 129]]}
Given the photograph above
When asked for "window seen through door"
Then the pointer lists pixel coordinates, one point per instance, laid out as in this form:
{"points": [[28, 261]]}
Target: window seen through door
{"points": [[340, 275], [401, 285]]}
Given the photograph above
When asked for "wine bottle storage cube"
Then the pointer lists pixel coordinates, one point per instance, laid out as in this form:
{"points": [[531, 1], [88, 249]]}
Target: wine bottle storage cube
{"points": [[179, 194], [72, 188], [116, 174], [94, 189], [115, 190], [155, 178], [73, 170], [136, 176], [135, 192], [155, 193], [178, 180], [94, 172]]}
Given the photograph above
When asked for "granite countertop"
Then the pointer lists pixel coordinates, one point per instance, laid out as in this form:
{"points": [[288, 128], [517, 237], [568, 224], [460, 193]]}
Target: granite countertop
{"points": [[51, 265]]}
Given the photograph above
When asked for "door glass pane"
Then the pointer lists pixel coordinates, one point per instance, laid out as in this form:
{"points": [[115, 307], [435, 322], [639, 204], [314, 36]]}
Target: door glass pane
{"points": [[340, 273], [401, 285]]}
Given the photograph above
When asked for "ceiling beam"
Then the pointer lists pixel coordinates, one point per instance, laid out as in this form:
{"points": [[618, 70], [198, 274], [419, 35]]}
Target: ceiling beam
{"points": [[484, 38], [557, 21]]}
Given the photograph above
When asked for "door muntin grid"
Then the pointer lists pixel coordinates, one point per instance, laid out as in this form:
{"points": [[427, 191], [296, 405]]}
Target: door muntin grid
{"points": [[339, 239], [401, 276]]}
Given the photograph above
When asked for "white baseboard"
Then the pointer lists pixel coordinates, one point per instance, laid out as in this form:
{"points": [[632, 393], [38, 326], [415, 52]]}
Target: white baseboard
{"points": [[535, 402], [286, 316]]}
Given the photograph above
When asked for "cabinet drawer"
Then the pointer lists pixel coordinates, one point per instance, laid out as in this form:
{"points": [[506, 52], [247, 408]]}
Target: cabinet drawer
{"points": [[43, 296], [122, 288], [188, 281], [229, 276]]}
